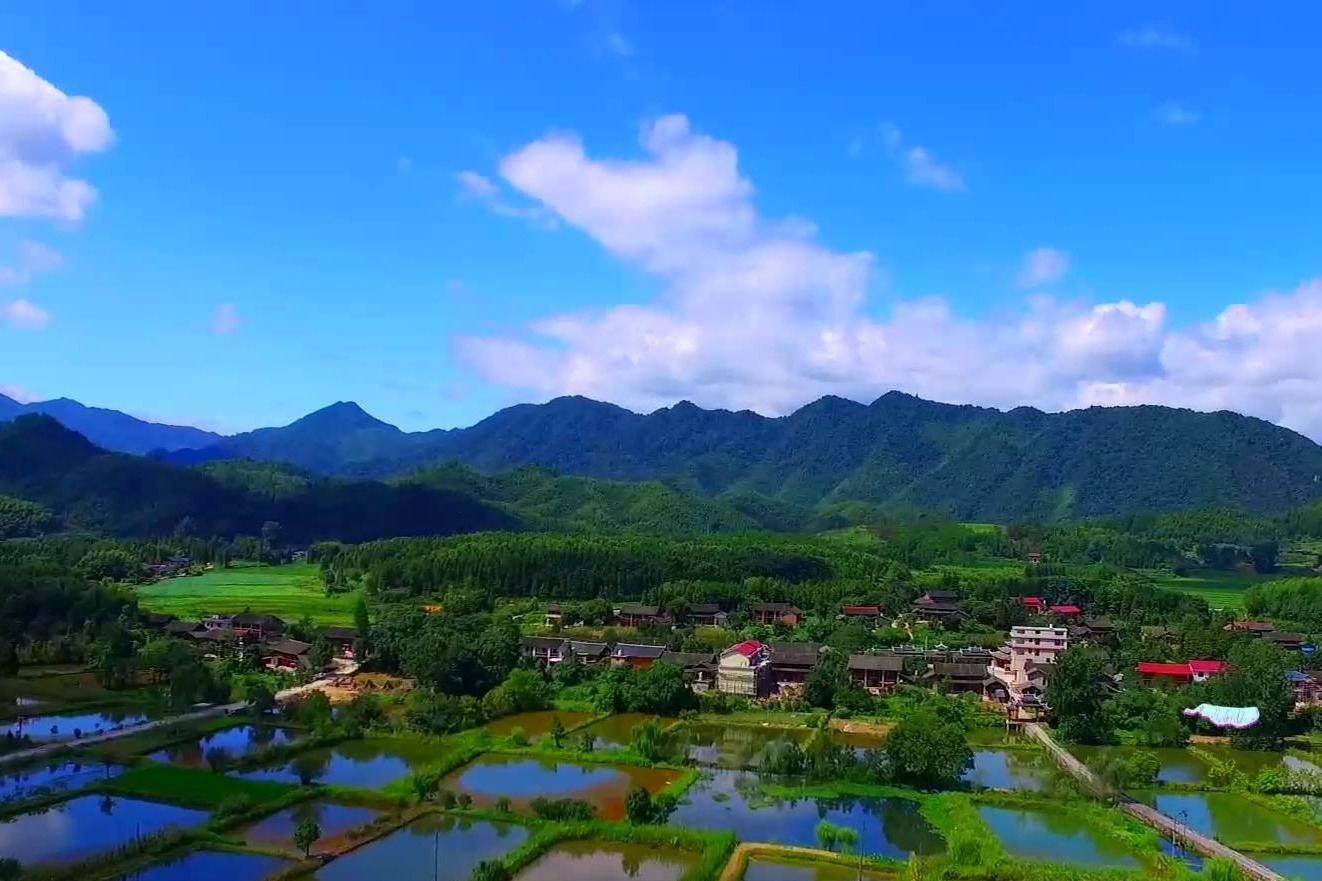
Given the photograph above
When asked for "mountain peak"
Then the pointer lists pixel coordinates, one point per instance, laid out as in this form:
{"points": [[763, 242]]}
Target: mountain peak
{"points": [[342, 416]]}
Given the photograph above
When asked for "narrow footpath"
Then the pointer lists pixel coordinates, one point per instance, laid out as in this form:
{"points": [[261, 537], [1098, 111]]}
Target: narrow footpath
{"points": [[1168, 828]]}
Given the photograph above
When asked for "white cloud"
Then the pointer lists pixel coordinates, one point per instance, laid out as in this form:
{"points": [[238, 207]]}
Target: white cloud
{"points": [[476, 185], [750, 315], [24, 315], [1157, 38], [18, 393], [42, 132], [920, 167], [32, 258], [1175, 113], [473, 185], [616, 44], [226, 320], [1043, 266]]}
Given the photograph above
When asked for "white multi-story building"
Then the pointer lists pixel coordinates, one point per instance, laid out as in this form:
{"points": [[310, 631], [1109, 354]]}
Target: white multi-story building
{"points": [[1021, 665]]}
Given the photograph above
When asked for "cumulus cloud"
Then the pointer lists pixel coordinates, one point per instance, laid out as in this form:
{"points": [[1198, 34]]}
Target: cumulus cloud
{"points": [[1154, 38], [1043, 266], [920, 167], [42, 132], [1175, 113], [754, 312], [24, 315], [226, 319]]}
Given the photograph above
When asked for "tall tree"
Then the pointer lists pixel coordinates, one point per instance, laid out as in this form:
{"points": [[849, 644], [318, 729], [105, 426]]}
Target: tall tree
{"points": [[1075, 697]]}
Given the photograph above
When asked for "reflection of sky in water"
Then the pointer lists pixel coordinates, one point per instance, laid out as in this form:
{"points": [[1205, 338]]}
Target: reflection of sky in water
{"points": [[1231, 819], [64, 724], [86, 825], [211, 865], [450, 846], [237, 741], [57, 777], [529, 778], [1041, 835]]}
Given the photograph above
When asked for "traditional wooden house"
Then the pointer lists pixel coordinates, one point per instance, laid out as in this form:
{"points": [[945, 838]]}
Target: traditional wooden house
{"points": [[1285, 639], [866, 615], [184, 629], [938, 605], [633, 615], [287, 654], [554, 616], [543, 649], [744, 669], [699, 668], [256, 628], [637, 656], [877, 674], [791, 662], [1255, 627], [589, 652], [1305, 688], [705, 615], [959, 678], [775, 613], [344, 641]]}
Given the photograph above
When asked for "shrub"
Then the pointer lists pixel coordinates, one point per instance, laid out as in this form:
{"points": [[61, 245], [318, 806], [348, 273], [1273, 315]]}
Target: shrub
{"points": [[503, 804], [491, 870], [563, 809]]}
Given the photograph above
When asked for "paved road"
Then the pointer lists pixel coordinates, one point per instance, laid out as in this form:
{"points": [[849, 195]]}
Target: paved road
{"points": [[1208, 847]]}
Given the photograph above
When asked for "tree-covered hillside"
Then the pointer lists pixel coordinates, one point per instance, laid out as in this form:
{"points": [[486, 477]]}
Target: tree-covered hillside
{"points": [[899, 454]]}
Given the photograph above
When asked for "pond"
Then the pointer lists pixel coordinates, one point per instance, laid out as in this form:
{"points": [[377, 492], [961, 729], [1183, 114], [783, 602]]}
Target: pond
{"points": [[54, 777], [1010, 769], [236, 742], [333, 819], [521, 780], [1231, 819], [617, 731], [857, 743], [439, 848], [1297, 868], [599, 861], [86, 825], [1041, 835], [203, 865], [1177, 765], [535, 725], [762, 869], [731, 800], [368, 764], [67, 726], [734, 746]]}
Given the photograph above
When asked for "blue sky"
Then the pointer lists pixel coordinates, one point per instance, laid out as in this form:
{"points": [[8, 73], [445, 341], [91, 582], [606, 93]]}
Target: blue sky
{"points": [[440, 209]]}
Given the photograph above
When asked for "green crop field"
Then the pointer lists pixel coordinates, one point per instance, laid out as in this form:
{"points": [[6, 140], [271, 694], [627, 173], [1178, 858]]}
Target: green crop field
{"points": [[287, 591], [1222, 590]]}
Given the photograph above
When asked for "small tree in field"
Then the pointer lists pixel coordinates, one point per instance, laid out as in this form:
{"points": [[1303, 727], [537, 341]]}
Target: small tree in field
{"points": [[305, 835], [557, 731]]}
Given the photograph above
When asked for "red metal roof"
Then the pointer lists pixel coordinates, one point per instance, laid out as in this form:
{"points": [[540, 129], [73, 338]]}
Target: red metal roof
{"points": [[1066, 610], [861, 610], [1206, 666], [1152, 668], [747, 648], [1032, 601]]}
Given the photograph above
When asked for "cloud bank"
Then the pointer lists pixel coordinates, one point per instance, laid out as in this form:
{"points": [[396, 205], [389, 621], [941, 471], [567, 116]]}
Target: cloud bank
{"points": [[758, 313]]}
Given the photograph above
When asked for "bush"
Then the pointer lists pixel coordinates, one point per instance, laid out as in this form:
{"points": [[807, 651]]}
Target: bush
{"points": [[234, 806], [465, 800], [563, 809], [503, 804], [491, 870]]}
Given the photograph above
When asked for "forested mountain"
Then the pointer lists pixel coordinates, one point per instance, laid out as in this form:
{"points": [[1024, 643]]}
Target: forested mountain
{"points": [[88, 489], [111, 429], [899, 454]]}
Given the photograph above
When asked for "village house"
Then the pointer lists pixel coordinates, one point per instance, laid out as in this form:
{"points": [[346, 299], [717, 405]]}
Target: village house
{"points": [[287, 654], [1033, 604], [157, 620], [866, 615], [744, 669], [938, 605], [1285, 639], [1258, 627], [1067, 611], [877, 674], [589, 652], [960, 678], [184, 629], [791, 662], [554, 616], [636, 656], [1020, 668], [1304, 688], [543, 649], [775, 613], [343, 640], [1093, 630], [634, 615], [256, 628], [705, 615], [699, 668], [216, 622], [1152, 673], [1035, 557]]}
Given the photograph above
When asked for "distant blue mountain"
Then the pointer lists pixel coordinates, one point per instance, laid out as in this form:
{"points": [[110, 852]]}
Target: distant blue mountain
{"points": [[111, 429]]}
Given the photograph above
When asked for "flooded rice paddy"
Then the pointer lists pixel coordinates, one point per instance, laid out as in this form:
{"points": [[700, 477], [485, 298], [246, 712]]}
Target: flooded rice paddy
{"points": [[204, 865], [437, 848], [734, 746], [236, 742], [534, 725], [1231, 819], [1042, 835], [331, 818], [367, 764], [87, 825], [599, 861], [520, 779], [59, 776]]}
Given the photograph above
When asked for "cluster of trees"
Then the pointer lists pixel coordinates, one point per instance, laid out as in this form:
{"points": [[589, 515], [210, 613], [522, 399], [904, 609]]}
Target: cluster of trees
{"points": [[1295, 600]]}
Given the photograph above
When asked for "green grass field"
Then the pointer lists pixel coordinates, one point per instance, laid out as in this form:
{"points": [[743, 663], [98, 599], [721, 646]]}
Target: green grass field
{"points": [[1221, 590], [287, 591]]}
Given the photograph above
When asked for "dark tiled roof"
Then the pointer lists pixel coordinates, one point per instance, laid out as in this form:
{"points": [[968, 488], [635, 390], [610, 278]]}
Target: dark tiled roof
{"points": [[957, 671], [182, 627], [339, 633], [288, 647], [704, 609], [253, 619], [627, 650], [542, 642], [891, 663], [780, 608], [799, 654], [642, 611], [689, 660], [588, 649]]}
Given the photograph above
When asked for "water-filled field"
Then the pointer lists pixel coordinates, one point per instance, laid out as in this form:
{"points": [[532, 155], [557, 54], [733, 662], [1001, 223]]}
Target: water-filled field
{"points": [[87, 825], [368, 764], [436, 848], [331, 818], [491, 777], [598, 861], [236, 742], [1043, 835]]}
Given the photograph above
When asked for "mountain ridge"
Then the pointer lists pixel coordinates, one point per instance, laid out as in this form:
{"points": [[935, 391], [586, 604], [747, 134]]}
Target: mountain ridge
{"points": [[112, 429]]}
